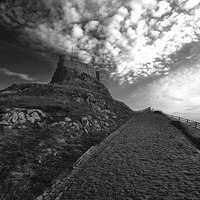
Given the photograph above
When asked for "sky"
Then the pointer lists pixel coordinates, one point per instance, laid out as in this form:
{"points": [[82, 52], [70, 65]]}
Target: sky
{"points": [[148, 51]]}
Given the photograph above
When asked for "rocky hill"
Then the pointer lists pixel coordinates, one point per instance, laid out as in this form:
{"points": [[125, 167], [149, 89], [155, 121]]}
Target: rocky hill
{"points": [[44, 129]]}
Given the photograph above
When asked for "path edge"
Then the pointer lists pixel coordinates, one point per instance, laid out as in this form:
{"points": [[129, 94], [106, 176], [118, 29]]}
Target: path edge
{"points": [[55, 192]]}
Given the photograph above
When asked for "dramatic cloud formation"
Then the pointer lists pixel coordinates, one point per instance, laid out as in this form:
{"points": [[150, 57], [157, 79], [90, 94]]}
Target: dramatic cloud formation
{"points": [[20, 75], [140, 35], [77, 32], [129, 40], [177, 93]]}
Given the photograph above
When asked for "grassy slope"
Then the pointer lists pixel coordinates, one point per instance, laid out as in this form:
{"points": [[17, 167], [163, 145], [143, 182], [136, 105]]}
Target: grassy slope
{"points": [[192, 134], [32, 158]]}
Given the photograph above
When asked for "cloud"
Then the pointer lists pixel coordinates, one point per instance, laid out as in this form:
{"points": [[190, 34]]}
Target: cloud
{"points": [[178, 92], [77, 31], [136, 13], [71, 14], [163, 8], [131, 33], [20, 75], [190, 4], [92, 25], [142, 35], [123, 11]]}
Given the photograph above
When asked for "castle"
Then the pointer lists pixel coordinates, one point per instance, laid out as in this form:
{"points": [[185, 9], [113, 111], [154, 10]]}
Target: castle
{"points": [[71, 62]]}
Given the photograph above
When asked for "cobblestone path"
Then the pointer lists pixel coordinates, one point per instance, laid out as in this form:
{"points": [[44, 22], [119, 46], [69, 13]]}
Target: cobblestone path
{"points": [[149, 159]]}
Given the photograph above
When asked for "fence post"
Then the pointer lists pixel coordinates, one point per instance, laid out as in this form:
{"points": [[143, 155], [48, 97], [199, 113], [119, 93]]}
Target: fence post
{"points": [[187, 121]]}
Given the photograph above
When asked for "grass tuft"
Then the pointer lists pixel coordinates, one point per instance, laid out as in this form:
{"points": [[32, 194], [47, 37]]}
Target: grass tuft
{"points": [[158, 112], [185, 130]]}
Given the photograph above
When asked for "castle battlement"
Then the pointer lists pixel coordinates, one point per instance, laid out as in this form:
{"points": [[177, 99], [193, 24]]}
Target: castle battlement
{"points": [[73, 63]]}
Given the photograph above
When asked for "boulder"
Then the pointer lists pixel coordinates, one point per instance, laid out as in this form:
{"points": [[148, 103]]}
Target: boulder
{"points": [[17, 116]]}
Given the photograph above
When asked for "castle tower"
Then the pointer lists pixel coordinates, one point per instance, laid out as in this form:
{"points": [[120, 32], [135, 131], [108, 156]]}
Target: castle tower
{"points": [[98, 75], [61, 61], [61, 57], [72, 63]]}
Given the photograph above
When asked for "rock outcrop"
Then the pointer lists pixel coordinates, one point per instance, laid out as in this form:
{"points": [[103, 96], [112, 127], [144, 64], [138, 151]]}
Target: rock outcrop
{"points": [[20, 116]]}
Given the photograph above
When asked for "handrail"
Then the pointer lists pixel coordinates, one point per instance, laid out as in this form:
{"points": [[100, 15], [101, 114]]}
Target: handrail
{"points": [[186, 121]]}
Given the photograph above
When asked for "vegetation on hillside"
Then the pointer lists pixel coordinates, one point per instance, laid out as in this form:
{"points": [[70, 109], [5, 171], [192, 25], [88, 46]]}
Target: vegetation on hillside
{"points": [[33, 157], [159, 112], [191, 133]]}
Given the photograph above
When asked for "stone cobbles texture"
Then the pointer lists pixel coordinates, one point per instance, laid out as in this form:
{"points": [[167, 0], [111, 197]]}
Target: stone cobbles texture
{"points": [[65, 179], [146, 159]]}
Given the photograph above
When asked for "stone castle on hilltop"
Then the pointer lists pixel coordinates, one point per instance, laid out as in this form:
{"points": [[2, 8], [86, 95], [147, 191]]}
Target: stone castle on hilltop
{"points": [[71, 72], [73, 63]]}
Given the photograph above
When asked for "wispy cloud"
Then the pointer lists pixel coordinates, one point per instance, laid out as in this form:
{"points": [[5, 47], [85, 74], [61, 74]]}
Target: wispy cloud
{"points": [[177, 93], [42, 82], [20, 75]]}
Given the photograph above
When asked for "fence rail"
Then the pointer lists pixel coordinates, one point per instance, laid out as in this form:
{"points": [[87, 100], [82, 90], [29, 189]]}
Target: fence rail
{"points": [[186, 121]]}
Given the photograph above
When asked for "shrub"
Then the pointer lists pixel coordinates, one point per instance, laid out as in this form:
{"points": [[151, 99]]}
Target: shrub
{"points": [[158, 112]]}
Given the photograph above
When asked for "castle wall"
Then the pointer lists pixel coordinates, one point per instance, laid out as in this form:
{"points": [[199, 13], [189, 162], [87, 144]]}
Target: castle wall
{"points": [[88, 69], [72, 63]]}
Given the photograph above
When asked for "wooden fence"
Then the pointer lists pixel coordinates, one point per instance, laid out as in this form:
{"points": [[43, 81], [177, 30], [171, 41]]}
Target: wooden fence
{"points": [[186, 121]]}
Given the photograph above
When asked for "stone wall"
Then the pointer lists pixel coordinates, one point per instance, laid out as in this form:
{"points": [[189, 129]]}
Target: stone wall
{"points": [[74, 64], [71, 76]]}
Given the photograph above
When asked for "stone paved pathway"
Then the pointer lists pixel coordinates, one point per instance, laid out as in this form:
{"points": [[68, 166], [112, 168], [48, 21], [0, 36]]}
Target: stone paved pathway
{"points": [[149, 159]]}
